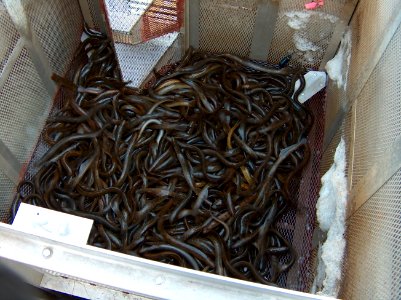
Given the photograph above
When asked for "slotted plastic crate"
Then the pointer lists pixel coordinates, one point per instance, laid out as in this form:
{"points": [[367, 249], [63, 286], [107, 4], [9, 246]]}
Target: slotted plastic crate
{"points": [[39, 38]]}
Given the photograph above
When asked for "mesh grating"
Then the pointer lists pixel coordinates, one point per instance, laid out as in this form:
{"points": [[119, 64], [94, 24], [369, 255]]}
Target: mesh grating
{"points": [[378, 111], [369, 36], [6, 196], [9, 36], [23, 106], [300, 276], [373, 266], [124, 14], [306, 34], [58, 43], [135, 21], [162, 17], [227, 26], [137, 61], [94, 6]]}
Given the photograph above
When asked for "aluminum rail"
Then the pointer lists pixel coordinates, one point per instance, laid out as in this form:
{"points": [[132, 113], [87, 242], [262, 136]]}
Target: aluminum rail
{"points": [[130, 274]]}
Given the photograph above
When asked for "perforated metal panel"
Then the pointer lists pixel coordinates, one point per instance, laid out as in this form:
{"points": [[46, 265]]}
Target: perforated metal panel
{"points": [[372, 268], [306, 34], [227, 26], [58, 44], [373, 265], [9, 36], [138, 61], [24, 100], [378, 110], [370, 22]]}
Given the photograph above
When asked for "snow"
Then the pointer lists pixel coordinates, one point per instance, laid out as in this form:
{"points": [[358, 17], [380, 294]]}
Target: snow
{"points": [[331, 214], [303, 44], [337, 67], [299, 21]]}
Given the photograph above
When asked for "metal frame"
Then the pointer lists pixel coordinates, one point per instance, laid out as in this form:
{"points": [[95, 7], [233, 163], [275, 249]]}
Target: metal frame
{"points": [[130, 274]]}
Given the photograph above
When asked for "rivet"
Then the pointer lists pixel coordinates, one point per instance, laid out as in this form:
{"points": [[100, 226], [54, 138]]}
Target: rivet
{"points": [[47, 252]]}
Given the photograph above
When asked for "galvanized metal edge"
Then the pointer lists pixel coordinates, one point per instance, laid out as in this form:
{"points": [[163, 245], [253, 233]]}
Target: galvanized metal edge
{"points": [[192, 22], [376, 177], [86, 12], [131, 274]]}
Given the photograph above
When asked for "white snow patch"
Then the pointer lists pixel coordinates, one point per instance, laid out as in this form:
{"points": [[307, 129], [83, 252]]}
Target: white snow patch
{"points": [[303, 44], [331, 214], [337, 68], [299, 19]]}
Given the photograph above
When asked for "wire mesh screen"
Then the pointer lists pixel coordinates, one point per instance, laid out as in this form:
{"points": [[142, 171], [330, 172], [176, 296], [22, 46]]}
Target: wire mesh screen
{"points": [[374, 248], [304, 34], [373, 255], [24, 101], [162, 17], [136, 21], [58, 44], [370, 22], [23, 110], [378, 111], [227, 26], [9, 37], [300, 223], [138, 61]]}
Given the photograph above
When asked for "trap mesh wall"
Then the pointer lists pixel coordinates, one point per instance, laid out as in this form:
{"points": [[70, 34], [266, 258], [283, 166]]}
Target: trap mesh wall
{"points": [[372, 268], [229, 26], [24, 100], [136, 21]]}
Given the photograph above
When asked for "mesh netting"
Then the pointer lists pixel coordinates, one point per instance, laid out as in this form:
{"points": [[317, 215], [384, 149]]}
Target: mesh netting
{"points": [[24, 100], [136, 21], [58, 44], [373, 246], [378, 111], [162, 17], [304, 34], [9, 36]]}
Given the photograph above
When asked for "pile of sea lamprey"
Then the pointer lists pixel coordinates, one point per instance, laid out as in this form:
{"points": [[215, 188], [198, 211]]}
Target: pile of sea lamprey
{"points": [[192, 171]]}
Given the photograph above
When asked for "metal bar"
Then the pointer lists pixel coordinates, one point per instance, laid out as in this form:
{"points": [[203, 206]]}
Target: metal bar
{"points": [[378, 174], [265, 21], [86, 13], [9, 164], [193, 22], [351, 146], [10, 62], [131, 274], [338, 32], [16, 10], [99, 15]]}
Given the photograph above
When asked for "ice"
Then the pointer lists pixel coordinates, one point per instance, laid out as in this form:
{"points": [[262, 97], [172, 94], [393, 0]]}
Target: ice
{"points": [[337, 67], [331, 214]]}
